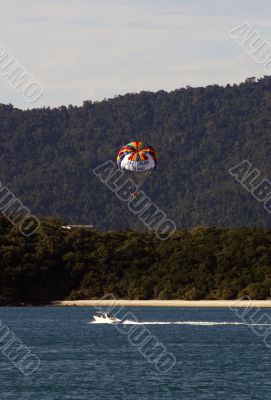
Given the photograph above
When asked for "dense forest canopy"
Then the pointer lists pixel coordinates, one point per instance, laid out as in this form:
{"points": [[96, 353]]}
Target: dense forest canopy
{"points": [[193, 264], [47, 155]]}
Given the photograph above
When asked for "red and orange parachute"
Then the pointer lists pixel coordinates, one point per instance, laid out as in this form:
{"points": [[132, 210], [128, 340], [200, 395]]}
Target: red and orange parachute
{"points": [[139, 159], [137, 156]]}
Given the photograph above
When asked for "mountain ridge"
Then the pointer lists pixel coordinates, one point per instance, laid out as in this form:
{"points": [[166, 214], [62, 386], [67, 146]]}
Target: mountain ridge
{"points": [[48, 155]]}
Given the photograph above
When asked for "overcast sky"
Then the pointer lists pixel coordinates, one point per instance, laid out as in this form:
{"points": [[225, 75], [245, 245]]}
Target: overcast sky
{"points": [[94, 49]]}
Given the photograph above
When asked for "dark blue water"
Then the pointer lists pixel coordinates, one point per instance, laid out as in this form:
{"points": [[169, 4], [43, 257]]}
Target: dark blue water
{"points": [[86, 361]]}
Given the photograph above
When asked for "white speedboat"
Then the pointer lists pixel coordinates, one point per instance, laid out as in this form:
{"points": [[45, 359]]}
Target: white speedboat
{"points": [[104, 317]]}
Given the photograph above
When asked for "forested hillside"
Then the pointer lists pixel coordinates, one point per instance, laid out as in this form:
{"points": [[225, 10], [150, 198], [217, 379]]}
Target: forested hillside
{"points": [[199, 263], [47, 155]]}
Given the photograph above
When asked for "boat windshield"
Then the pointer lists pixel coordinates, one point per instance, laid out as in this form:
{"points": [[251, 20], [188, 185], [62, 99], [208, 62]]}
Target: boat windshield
{"points": [[104, 314]]}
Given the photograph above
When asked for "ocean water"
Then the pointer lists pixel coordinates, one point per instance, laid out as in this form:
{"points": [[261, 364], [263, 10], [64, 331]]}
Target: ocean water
{"points": [[218, 355]]}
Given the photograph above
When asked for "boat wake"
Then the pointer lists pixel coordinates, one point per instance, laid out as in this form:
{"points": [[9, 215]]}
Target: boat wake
{"points": [[195, 323]]}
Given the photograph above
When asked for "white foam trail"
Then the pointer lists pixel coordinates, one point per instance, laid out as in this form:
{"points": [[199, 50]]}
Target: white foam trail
{"points": [[196, 323]]}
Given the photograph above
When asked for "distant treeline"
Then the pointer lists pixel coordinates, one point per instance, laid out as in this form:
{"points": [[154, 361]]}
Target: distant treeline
{"points": [[199, 263]]}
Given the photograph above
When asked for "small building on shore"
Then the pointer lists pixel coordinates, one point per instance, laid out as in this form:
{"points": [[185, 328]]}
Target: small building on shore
{"points": [[77, 226]]}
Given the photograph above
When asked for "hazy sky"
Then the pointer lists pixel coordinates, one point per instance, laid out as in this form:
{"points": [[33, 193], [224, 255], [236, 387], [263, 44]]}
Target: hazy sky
{"points": [[89, 49]]}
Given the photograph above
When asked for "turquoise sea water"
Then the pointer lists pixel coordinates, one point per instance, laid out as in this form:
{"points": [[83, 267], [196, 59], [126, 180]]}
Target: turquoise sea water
{"points": [[217, 356]]}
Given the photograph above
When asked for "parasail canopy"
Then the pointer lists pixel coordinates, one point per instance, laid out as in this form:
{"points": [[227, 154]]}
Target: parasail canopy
{"points": [[137, 157]]}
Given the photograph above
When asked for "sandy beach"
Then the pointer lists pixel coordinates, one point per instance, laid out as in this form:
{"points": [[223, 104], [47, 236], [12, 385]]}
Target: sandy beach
{"points": [[163, 303]]}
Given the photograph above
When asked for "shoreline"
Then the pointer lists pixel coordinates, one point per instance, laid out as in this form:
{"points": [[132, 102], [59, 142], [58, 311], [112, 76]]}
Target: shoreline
{"points": [[164, 303]]}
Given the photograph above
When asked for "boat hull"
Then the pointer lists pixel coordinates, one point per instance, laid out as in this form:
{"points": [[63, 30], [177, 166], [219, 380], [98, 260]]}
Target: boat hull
{"points": [[107, 320]]}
